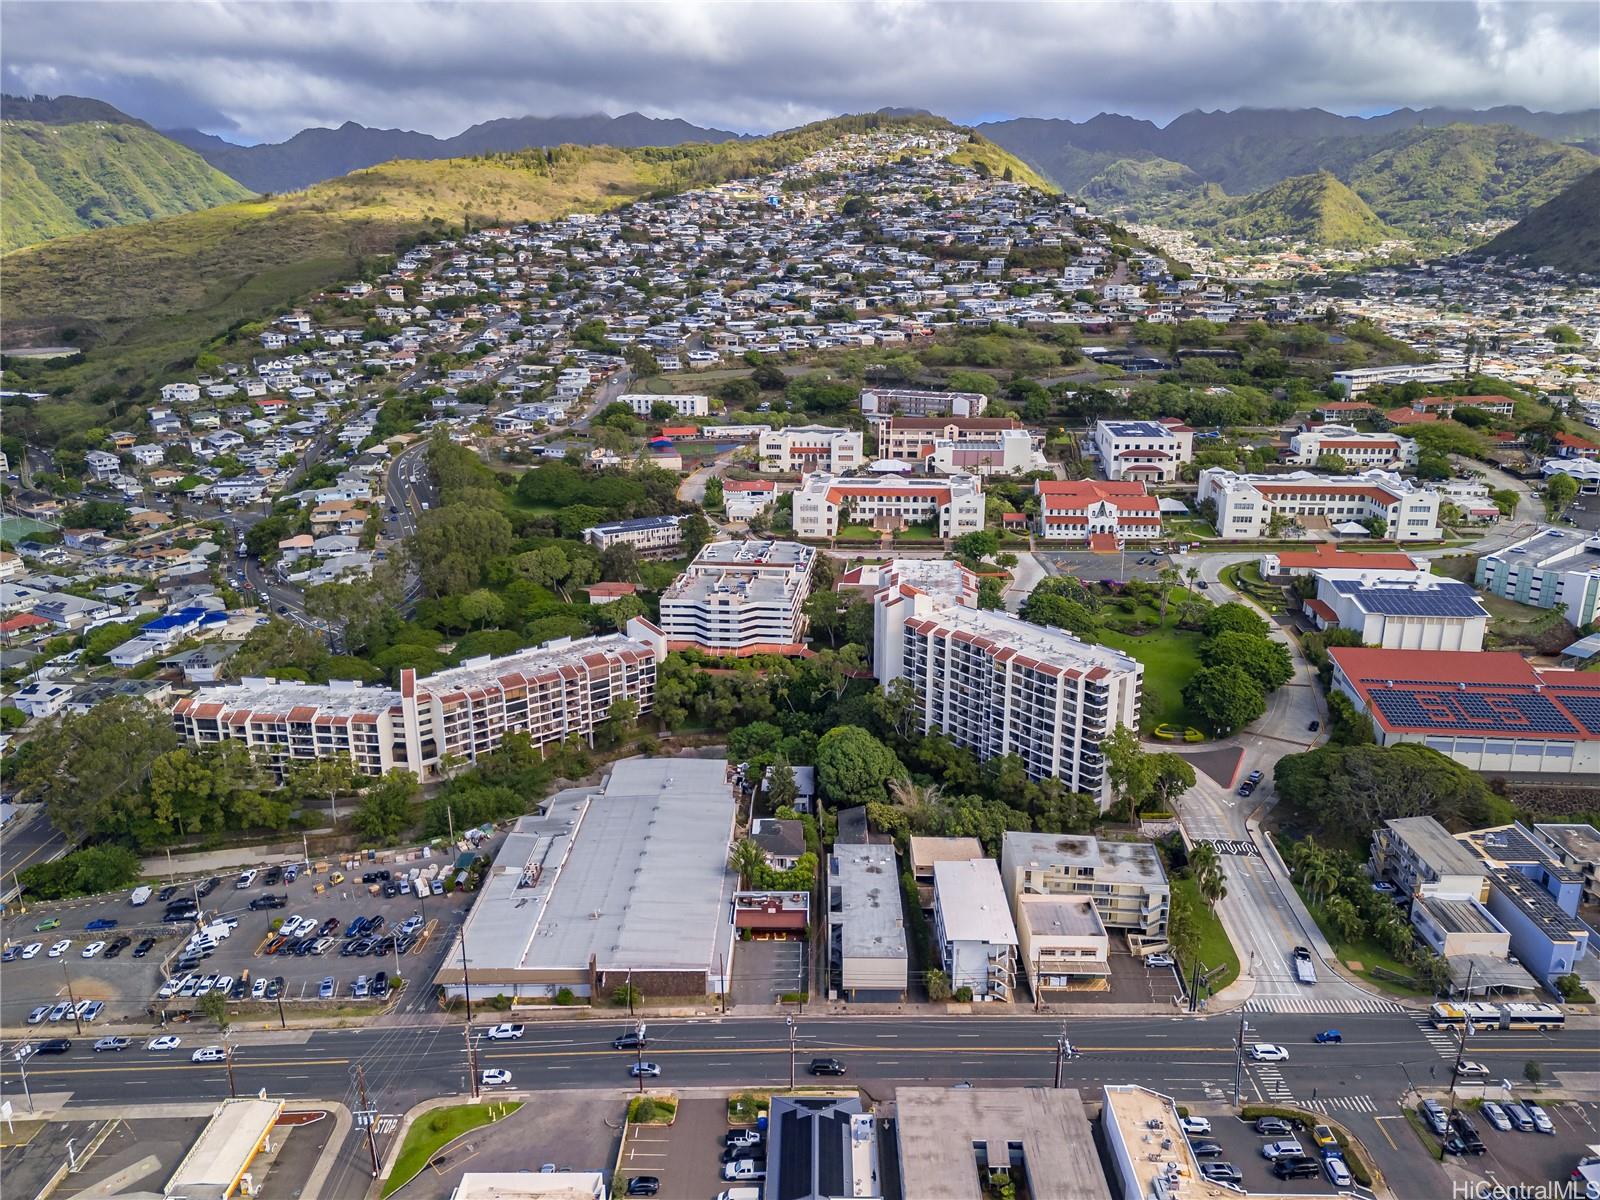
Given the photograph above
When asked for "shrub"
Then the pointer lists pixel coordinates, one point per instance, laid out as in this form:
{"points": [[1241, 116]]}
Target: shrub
{"points": [[565, 996]]}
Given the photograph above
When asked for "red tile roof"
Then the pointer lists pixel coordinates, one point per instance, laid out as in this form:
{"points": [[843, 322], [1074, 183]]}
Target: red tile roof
{"points": [[1327, 555]]}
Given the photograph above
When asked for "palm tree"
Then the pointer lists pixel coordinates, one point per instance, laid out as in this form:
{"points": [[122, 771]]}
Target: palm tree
{"points": [[1206, 866], [1191, 576], [1320, 877], [1167, 579], [918, 799], [747, 859]]}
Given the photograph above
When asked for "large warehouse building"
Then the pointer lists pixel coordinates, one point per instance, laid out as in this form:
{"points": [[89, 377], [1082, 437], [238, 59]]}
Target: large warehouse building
{"points": [[629, 883]]}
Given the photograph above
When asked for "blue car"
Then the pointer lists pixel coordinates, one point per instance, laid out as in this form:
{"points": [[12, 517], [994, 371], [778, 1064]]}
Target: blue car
{"points": [[1330, 1035], [101, 923]]}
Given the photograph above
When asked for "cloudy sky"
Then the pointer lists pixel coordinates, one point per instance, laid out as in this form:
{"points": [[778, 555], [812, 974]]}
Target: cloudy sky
{"points": [[260, 70]]}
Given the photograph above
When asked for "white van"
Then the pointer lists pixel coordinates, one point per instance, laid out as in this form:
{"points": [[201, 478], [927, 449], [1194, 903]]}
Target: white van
{"points": [[141, 895], [740, 1193]]}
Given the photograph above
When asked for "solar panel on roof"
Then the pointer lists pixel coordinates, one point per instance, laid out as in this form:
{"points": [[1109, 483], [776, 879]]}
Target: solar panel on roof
{"points": [[1499, 713], [1585, 708]]}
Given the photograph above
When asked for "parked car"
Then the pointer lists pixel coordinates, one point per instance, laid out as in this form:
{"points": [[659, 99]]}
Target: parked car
{"points": [[643, 1185], [1160, 960], [826, 1066], [1205, 1148], [1286, 1148], [1338, 1173], [31, 950], [209, 1054], [1330, 1036], [1468, 1133], [144, 947], [1519, 1116], [1541, 1120], [90, 1010], [246, 878], [112, 1043], [166, 1041], [38, 1014], [495, 1077], [60, 948], [1496, 1116], [93, 948], [117, 947], [1194, 1125], [271, 877], [1296, 1166], [209, 886], [1268, 1052], [61, 1010], [1434, 1115], [1324, 1137], [100, 924], [1222, 1172], [270, 900], [325, 988], [746, 1137], [1273, 1127]]}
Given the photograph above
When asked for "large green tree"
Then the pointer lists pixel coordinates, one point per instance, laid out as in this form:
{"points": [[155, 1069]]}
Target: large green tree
{"points": [[387, 806], [1266, 661], [1340, 788], [853, 767], [1227, 696]]}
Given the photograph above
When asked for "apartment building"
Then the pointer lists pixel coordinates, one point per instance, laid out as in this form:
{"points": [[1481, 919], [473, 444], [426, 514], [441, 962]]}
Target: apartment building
{"points": [[1125, 880], [1149, 451], [1426, 613], [866, 928], [998, 685], [1247, 504], [953, 505], [744, 597], [973, 930], [1576, 847], [650, 537], [1096, 511], [810, 448], [878, 403], [684, 404], [1356, 449], [911, 439], [550, 692], [1061, 941], [1444, 406], [1553, 568]]}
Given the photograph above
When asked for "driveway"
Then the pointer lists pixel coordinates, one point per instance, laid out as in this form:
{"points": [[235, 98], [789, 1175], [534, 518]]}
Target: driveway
{"points": [[764, 971]]}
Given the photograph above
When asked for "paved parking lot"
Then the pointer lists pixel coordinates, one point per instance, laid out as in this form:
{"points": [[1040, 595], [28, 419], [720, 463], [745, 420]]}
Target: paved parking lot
{"points": [[1512, 1157], [581, 1135], [686, 1155], [1092, 568], [128, 985], [1130, 982], [1241, 1146], [765, 970]]}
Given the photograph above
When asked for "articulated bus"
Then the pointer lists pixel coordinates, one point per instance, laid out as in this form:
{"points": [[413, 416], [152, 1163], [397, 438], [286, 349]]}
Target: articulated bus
{"points": [[1484, 1017]]}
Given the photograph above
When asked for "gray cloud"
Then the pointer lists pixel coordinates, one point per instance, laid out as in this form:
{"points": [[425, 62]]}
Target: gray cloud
{"points": [[261, 71]]}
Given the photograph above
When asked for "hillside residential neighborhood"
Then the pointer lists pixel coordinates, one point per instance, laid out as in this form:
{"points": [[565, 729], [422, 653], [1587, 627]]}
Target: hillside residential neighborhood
{"points": [[875, 618]]}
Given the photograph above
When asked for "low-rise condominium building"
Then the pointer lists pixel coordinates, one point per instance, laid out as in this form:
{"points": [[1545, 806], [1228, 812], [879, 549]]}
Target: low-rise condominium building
{"points": [[744, 597]]}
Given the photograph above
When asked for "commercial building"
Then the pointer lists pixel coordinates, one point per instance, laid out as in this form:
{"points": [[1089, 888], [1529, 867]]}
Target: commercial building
{"points": [[1151, 1159], [911, 439], [1444, 406], [997, 684], [684, 404], [561, 689], [532, 1185], [1149, 451], [954, 1141], [811, 448], [1430, 613], [1357, 380], [217, 1166], [1553, 568], [952, 506], [1061, 941], [772, 915], [1094, 510], [1535, 894], [928, 852], [650, 537], [1248, 504], [628, 883], [866, 928], [822, 1148], [878, 403], [1490, 711], [744, 597], [1356, 449], [972, 927], [1125, 880]]}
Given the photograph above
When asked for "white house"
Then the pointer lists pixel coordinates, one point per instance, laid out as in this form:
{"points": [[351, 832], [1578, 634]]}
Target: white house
{"points": [[685, 404]]}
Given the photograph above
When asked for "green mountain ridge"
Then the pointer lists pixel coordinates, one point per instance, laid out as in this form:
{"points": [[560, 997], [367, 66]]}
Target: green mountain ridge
{"points": [[65, 178], [1561, 233], [1316, 208]]}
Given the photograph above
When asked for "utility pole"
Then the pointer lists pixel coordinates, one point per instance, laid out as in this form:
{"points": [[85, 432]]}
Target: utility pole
{"points": [[368, 1116], [1063, 1052], [71, 999], [1238, 1062], [1037, 1002], [723, 975], [466, 983], [630, 991], [282, 1022], [638, 1056], [22, 1070], [790, 1022], [472, 1061], [227, 1058]]}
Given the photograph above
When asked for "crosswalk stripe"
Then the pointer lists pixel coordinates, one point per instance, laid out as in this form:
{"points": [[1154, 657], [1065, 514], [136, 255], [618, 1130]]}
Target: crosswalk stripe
{"points": [[1309, 1005]]}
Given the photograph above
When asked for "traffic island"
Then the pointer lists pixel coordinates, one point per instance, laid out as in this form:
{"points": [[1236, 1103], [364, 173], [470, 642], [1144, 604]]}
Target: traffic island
{"points": [[431, 1133]]}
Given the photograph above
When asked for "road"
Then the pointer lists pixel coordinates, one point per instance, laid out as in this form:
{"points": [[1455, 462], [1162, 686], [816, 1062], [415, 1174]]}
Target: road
{"points": [[28, 840]]}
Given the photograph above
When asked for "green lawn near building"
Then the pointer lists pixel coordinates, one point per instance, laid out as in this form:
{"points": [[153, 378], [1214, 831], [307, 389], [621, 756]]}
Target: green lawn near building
{"points": [[1170, 657]]}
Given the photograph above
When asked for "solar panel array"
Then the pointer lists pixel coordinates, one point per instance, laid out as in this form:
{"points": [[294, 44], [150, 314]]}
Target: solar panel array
{"points": [[1585, 707], [1439, 600], [1424, 707]]}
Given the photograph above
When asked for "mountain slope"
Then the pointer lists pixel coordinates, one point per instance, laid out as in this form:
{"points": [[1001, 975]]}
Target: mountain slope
{"points": [[1315, 208], [1140, 182], [313, 155], [1561, 233], [144, 299], [64, 178]]}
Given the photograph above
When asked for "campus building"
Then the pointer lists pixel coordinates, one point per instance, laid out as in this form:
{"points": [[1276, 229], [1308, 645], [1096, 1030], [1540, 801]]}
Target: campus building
{"points": [[1489, 711], [912, 439], [1427, 613], [685, 404], [1248, 504], [1103, 513], [878, 403], [1553, 568], [1356, 449], [824, 503], [1358, 379], [997, 684], [561, 689], [1149, 451], [811, 448], [650, 537], [744, 597]]}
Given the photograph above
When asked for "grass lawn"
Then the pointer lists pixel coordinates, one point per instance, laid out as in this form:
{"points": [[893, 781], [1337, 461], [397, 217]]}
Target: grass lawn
{"points": [[653, 1110], [1170, 657], [1214, 947], [857, 533], [1362, 954], [430, 1133], [916, 533]]}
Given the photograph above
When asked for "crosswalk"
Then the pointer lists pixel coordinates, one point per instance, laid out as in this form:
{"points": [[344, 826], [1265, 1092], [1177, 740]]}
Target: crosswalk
{"points": [[1360, 1104], [1272, 1083], [1308, 1004], [1444, 1042]]}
